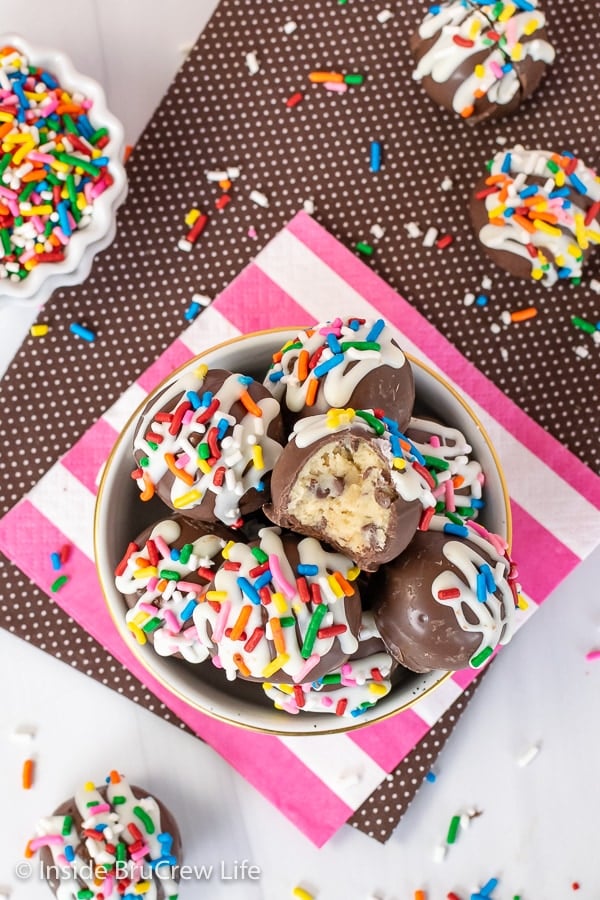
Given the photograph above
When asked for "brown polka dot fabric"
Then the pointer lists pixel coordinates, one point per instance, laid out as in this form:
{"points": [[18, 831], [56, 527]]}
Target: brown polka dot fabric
{"points": [[218, 115]]}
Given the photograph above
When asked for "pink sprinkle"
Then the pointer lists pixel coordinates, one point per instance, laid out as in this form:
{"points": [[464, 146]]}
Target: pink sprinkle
{"points": [[216, 661], [147, 608], [334, 328], [171, 621], [46, 840], [99, 808], [593, 654], [449, 492], [188, 586], [221, 623], [161, 546], [252, 232], [434, 441], [497, 70], [291, 707], [310, 663], [288, 590], [151, 586], [182, 461], [188, 417], [339, 87], [139, 854], [326, 701]]}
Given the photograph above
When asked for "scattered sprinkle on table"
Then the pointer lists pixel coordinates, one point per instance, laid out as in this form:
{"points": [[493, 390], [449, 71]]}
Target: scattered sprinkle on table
{"points": [[60, 582], [24, 733], [27, 774], [375, 156], [82, 332], [364, 248], [40, 330], [301, 894], [592, 655], [453, 829], [528, 756]]}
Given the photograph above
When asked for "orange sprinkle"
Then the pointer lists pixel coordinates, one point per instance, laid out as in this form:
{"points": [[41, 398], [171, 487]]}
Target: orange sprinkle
{"points": [[128, 152], [69, 108], [4, 129], [148, 492], [34, 175], [162, 585], [250, 405], [344, 584], [497, 221], [547, 217], [503, 194], [467, 111], [458, 481], [142, 563], [4, 210], [496, 179], [521, 315], [420, 895], [239, 661], [303, 365], [225, 184], [479, 94], [277, 357], [278, 638], [534, 201], [240, 623], [178, 473], [311, 393], [28, 853], [524, 223], [115, 778], [323, 77], [27, 776]]}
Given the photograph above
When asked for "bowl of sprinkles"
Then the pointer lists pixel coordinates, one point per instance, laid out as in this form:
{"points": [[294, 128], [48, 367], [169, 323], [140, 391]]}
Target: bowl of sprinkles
{"points": [[61, 172], [275, 629]]}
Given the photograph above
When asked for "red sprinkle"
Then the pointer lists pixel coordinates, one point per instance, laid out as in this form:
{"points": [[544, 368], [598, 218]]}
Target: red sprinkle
{"points": [[65, 554], [258, 570], [331, 631], [486, 192], [303, 590], [592, 212], [340, 707], [206, 573], [376, 675], [444, 241], [294, 100], [299, 696], [254, 639], [462, 41], [152, 552], [208, 412], [163, 417], [134, 831], [219, 476], [265, 595], [232, 566], [449, 594], [315, 594], [132, 548], [424, 473], [178, 416]]}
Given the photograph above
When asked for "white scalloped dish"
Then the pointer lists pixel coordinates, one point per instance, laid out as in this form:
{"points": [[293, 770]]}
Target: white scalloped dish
{"points": [[84, 243]]}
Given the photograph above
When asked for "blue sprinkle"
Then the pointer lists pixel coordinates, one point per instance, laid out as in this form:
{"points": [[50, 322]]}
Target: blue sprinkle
{"points": [[391, 425], [506, 68], [431, 777], [55, 560], [249, 590], [354, 324], [508, 212], [375, 157], [259, 486], [188, 611], [206, 399], [559, 192], [333, 343], [564, 272], [435, 10], [489, 578], [306, 569], [568, 154], [477, 504], [567, 204], [174, 554], [63, 218], [263, 580], [101, 161], [69, 853], [48, 80], [276, 376], [165, 840], [80, 331], [481, 588], [222, 429], [481, 300], [458, 530], [528, 191], [325, 367], [487, 889], [245, 379], [357, 712], [194, 399], [376, 330], [577, 184], [192, 311], [395, 446], [524, 4], [506, 164], [414, 450]]}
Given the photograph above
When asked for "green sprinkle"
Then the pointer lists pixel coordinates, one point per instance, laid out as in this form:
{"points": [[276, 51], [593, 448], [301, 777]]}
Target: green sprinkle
{"points": [[67, 825], [440, 506], [5, 238], [364, 248], [287, 621], [454, 518], [152, 445], [552, 166], [259, 555], [60, 582], [186, 552], [144, 461], [27, 192], [440, 465], [467, 512], [575, 281], [119, 801], [144, 819], [85, 894], [52, 179], [83, 164], [97, 135], [375, 423], [354, 78], [296, 346], [152, 624], [203, 451], [478, 660], [71, 190], [5, 161], [453, 829], [332, 679], [311, 631], [70, 125], [121, 848], [588, 327], [169, 575], [360, 345]]}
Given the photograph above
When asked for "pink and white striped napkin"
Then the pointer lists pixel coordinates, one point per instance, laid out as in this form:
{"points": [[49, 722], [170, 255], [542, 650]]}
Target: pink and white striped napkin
{"points": [[302, 276]]}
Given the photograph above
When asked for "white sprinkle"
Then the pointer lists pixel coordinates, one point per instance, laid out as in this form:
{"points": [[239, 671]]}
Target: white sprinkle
{"points": [[24, 733], [495, 328], [439, 853], [202, 299], [413, 230], [596, 337], [377, 231], [430, 237], [384, 16], [233, 172], [500, 139], [582, 352], [289, 27], [465, 820], [505, 317], [528, 756], [184, 245], [469, 298], [447, 184], [309, 206], [349, 778], [217, 176], [259, 199], [252, 63], [504, 353], [486, 283], [595, 285]]}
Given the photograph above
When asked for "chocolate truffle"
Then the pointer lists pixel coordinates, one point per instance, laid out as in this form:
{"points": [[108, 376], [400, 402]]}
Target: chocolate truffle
{"points": [[284, 610], [345, 479], [448, 600], [344, 363], [207, 443], [537, 213], [106, 841], [163, 576], [481, 60]]}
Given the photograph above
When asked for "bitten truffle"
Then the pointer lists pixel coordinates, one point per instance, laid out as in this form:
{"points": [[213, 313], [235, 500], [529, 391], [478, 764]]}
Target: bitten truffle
{"points": [[481, 60], [448, 600]]}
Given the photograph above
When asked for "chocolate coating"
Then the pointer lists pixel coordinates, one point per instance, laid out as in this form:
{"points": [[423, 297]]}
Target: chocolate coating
{"points": [[473, 75], [363, 379], [354, 505], [207, 457], [422, 632]]}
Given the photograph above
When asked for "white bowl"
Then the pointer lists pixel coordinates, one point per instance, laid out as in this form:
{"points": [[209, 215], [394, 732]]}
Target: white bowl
{"points": [[87, 242], [120, 517]]}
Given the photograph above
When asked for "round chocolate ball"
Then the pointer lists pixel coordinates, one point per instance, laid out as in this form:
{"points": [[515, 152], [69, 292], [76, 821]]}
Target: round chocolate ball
{"points": [[478, 62]]}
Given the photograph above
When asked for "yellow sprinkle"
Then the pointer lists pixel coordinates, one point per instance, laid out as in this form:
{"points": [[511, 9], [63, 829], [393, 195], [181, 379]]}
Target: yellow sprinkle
{"points": [[201, 371], [6, 117], [275, 665], [142, 887], [559, 178], [58, 165], [335, 586], [192, 216], [516, 54], [522, 602], [45, 209], [479, 71], [17, 138], [267, 685], [580, 230], [279, 602], [547, 228], [257, 457], [352, 574], [594, 236], [226, 549], [560, 261], [296, 607], [30, 264], [379, 689], [204, 466], [39, 330], [146, 572], [286, 688], [140, 618], [301, 894], [277, 705], [137, 631], [497, 211], [399, 463], [187, 499], [574, 250], [531, 26], [537, 274], [475, 29], [81, 200], [507, 12], [216, 596], [89, 786]]}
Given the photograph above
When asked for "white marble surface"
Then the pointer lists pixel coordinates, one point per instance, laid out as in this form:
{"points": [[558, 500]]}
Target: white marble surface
{"points": [[537, 831]]}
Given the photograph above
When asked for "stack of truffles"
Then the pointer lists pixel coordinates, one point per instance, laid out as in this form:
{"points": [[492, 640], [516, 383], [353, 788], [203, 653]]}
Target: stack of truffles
{"points": [[323, 537]]}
